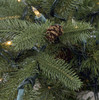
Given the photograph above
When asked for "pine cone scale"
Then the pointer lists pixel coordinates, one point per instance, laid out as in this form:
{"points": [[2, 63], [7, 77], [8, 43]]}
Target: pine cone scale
{"points": [[53, 32]]}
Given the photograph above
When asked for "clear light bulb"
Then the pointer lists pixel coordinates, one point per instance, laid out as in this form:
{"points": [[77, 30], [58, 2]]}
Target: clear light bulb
{"points": [[19, 0], [97, 3], [37, 13], [76, 26], [9, 43], [1, 79]]}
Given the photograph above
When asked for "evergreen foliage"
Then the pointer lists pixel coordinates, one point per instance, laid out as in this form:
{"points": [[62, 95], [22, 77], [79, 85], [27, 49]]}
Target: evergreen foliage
{"points": [[76, 31], [63, 66], [60, 70], [10, 8]]}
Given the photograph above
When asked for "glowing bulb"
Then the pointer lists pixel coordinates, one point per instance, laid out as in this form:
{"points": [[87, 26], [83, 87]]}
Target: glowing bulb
{"points": [[19, 0], [49, 87], [37, 13], [9, 43], [97, 3], [76, 26], [1, 80]]}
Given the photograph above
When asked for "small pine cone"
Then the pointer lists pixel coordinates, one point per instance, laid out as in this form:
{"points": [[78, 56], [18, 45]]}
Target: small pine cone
{"points": [[53, 32]]}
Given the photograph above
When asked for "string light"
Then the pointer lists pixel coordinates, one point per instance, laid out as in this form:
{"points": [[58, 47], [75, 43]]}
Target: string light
{"points": [[76, 27], [49, 87], [39, 17], [74, 23], [37, 13], [1, 80], [19, 0], [97, 3], [8, 43]]}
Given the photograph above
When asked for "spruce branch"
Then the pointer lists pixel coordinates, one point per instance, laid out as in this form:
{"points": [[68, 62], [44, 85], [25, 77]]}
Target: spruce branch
{"points": [[74, 32], [10, 8], [9, 88], [34, 34], [56, 68], [24, 34], [67, 8]]}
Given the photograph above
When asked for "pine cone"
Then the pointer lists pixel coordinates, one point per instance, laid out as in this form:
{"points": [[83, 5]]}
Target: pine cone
{"points": [[53, 32], [65, 54]]}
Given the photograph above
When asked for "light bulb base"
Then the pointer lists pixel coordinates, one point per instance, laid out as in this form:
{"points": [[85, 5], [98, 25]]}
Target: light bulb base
{"points": [[40, 19]]}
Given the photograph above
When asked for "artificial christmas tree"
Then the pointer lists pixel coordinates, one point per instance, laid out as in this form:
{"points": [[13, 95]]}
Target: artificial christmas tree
{"points": [[53, 45]]}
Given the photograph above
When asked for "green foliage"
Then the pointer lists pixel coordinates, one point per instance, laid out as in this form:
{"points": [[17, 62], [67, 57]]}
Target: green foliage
{"points": [[87, 11], [75, 31], [51, 92], [34, 34], [3, 66], [92, 61], [66, 7], [56, 68], [87, 7], [44, 6], [5, 61], [24, 34], [10, 8], [57, 78], [9, 89], [9, 28]]}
